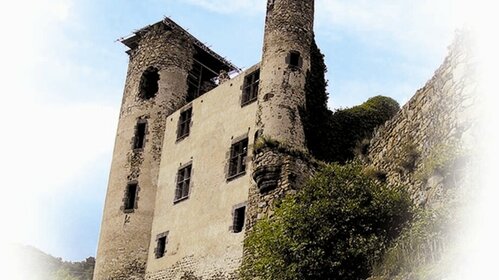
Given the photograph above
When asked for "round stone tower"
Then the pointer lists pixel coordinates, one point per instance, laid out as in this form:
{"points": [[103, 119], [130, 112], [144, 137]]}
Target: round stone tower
{"points": [[281, 162], [160, 59], [286, 60]]}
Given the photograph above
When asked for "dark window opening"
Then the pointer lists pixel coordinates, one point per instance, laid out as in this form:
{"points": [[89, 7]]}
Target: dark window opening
{"points": [[239, 216], [183, 183], [294, 59], [238, 153], [200, 80], [250, 87], [149, 83], [204, 74], [161, 247], [131, 196], [184, 124], [140, 135]]}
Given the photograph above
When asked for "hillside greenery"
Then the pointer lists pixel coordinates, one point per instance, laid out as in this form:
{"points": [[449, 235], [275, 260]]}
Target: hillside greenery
{"points": [[335, 227], [42, 266]]}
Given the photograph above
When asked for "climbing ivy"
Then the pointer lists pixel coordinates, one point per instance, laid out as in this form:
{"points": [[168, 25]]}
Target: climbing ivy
{"points": [[333, 136]]}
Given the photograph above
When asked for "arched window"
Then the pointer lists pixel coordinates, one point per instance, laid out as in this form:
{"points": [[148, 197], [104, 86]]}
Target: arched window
{"points": [[149, 83]]}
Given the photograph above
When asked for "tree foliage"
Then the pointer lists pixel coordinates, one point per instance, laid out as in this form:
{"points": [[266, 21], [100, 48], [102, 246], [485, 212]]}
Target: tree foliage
{"points": [[332, 136], [348, 127], [335, 227]]}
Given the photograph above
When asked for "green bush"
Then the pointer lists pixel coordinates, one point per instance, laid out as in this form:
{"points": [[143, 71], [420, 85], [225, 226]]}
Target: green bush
{"points": [[332, 136], [418, 252], [348, 127], [333, 228]]}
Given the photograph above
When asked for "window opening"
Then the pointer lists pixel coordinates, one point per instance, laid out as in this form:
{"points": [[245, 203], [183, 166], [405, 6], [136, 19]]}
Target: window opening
{"points": [[238, 153], [184, 124], [149, 83], [250, 87], [183, 182], [200, 80], [161, 247], [239, 216], [294, 59], [131, 196], [140, 134]]}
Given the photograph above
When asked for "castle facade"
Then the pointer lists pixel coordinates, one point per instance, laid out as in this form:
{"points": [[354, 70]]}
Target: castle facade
{"points": [[186, 179]]}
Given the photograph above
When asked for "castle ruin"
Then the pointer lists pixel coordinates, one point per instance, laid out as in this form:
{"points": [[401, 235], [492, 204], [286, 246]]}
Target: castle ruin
{"points": [[178, 198], [186, 180]]}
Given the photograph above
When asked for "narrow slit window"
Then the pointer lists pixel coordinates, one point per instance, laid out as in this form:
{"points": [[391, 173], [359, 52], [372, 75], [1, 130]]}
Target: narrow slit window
{"points": [[250, 87], [183, 183], [131, 196], [161, 247], [184, 124], [238, 153], [239, 216], [140, 135]]}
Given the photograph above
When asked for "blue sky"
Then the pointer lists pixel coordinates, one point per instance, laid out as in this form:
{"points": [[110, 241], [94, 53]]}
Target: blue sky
{"points": [[63, 77]]}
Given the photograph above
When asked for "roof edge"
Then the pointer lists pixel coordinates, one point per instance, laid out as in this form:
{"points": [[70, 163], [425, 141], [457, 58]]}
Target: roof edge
{"points": [[131, 41]]}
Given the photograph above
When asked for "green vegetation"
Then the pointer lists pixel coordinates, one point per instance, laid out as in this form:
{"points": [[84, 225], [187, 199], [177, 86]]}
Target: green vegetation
{"points": [[406, 161], [41, 266], [374, 173], [443, 159], [349, 127], [418, 253], [333, 136], [333, 228], [422, 250], [315, 116], [267, 142]]}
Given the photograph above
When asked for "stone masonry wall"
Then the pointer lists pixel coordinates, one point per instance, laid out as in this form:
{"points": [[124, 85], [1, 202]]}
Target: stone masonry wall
{"points": [[276, 174], [201, 242], [436, 122], [125, 236]]}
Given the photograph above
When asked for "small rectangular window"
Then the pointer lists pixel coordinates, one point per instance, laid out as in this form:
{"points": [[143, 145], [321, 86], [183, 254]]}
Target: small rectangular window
{"points": [[131, 196], [161, 247], [140, 134], [239, 216], [250, 87], [294, 60], [183, 183], [238, 153], [184, 124]]}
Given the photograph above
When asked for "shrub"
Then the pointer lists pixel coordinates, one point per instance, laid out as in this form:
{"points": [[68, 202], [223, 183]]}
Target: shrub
{"points": [[351, 126], [418, 252], [332, 136], [333, 228]]}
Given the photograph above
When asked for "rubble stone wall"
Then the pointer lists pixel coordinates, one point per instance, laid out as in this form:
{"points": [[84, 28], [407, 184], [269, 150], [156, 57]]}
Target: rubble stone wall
{"points": [[435, 121], [125, 236]]}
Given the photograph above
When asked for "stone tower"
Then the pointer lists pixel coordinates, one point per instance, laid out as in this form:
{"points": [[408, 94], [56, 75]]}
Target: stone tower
{"points": [[285, 62], [152, 91], [167, 69]]}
